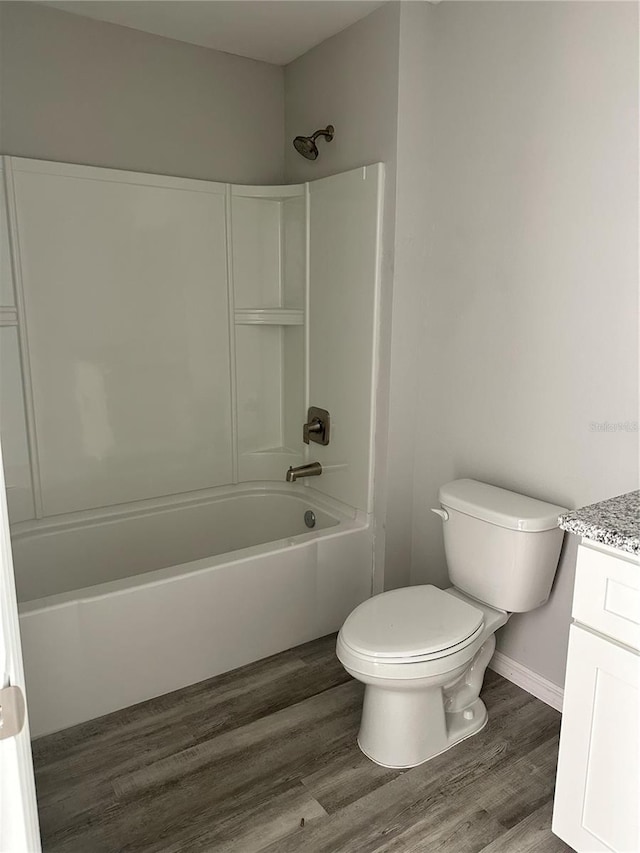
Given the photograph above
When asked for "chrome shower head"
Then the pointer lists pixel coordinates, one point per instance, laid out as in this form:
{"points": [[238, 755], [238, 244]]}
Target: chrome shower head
{"points": [[306, 145]]}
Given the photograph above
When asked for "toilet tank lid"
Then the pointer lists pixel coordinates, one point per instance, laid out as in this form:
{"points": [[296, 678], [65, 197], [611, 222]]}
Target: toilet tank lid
{"points": [[499, 506]]}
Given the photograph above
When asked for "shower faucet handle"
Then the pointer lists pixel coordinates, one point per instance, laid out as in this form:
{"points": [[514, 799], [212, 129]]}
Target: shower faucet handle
{"points": [[307, 429], [317, 426]]}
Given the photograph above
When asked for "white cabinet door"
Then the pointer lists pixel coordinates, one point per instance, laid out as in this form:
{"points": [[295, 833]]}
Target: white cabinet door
{"points": [[597, 792]]}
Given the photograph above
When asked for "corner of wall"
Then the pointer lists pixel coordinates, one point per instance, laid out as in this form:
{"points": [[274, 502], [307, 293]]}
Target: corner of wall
{"points": [[351, 81]]}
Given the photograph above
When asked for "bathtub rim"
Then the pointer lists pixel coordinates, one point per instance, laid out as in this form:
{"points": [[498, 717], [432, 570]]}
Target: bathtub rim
{"points": [[347, 520], [153, 506]]}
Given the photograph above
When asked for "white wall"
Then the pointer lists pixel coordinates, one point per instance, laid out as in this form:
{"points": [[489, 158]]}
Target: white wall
{"points": [[83, 91], [413, 248], [524, 269], [351, 81]]}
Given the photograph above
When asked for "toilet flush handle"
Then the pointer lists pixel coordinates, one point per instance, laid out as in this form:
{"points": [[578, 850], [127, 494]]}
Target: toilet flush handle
{"points": [[444, 515]]}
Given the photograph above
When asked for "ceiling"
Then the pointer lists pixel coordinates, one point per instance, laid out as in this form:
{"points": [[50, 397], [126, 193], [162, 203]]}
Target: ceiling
{"points": [[276, 31]]}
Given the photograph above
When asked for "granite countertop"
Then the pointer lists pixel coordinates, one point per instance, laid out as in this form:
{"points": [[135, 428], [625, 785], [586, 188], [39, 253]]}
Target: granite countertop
{"points": [[614, 522]]}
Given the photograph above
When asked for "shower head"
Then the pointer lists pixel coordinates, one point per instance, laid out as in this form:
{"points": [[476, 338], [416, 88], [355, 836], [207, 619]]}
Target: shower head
{"points": [[306, 145]]}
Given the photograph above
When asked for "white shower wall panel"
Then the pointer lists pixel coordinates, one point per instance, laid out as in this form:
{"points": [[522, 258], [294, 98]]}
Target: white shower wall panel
{"points": [[17, 468], [269, 274], [7, 297], [259, 378], [167, 335], [15, 449], [294, 260], [293, 378], [257, 249], [125, 289], [345, 220]]}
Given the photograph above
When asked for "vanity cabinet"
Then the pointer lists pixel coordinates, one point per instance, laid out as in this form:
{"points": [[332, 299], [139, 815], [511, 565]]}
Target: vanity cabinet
{"points": [[598, 784]]}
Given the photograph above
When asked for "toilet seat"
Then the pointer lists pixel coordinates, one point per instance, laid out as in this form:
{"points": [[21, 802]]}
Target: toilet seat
{"points": [[411, 625]]}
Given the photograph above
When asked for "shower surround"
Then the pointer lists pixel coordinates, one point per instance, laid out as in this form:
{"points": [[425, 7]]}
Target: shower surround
{"points": [[162, 340]]}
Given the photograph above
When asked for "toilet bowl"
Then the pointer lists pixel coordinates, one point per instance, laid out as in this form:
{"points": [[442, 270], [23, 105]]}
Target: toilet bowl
{"points": [[422, 652]]}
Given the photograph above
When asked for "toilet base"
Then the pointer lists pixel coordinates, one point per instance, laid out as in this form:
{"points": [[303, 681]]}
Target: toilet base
{"points": [[409, 742]]}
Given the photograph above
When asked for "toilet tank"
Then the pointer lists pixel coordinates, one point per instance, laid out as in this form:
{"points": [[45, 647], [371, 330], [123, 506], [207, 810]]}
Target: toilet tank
{"points": [[502, 548]]}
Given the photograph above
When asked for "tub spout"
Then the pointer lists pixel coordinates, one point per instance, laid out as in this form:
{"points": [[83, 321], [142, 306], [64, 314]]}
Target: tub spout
{"points": [[311, 469]]}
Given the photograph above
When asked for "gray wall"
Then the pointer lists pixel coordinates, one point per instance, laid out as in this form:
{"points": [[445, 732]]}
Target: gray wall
{"points": [[526, 277], [351, 81], [83, 91], [413, 247]]}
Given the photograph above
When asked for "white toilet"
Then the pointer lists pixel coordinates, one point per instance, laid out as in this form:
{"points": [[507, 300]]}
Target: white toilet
{"points": [[422, 651]]}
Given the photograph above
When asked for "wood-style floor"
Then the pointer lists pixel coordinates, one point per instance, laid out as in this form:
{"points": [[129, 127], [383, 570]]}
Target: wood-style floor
{"points": [[264, 758]]}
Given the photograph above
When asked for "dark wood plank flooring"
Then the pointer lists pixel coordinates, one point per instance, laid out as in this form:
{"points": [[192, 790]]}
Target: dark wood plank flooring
{"points": [[264, 758]]}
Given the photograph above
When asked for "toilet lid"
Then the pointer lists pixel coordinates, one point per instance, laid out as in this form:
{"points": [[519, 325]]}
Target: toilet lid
{"points": [[410, 622]]}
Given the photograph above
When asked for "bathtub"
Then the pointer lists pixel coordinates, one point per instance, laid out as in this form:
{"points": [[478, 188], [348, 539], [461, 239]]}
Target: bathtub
{"points": [[120, 606]]}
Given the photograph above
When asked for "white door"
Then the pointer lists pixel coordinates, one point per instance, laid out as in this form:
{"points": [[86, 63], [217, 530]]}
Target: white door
{"points": [[597, 788], [18, 810]]}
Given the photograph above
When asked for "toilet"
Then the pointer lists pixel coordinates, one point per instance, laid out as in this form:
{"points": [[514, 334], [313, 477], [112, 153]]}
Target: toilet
{"points": [[422, 652]]}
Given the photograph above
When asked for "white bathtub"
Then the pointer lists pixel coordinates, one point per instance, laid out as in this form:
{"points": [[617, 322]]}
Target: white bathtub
{"points": [[117, 607]]}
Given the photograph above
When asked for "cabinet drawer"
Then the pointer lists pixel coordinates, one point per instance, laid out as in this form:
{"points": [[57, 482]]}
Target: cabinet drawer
{"points": [[607, 594]]}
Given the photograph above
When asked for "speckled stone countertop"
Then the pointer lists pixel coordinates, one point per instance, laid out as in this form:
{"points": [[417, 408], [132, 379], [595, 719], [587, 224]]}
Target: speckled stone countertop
{"points": [[614, 522]]}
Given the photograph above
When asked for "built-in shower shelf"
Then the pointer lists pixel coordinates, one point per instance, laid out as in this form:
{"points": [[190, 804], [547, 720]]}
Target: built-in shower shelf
{"points": [[269, 317], [286, 451], [8, 316]]}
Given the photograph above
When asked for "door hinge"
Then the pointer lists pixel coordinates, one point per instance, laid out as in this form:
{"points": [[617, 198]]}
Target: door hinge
{"points": [[12, 712]]}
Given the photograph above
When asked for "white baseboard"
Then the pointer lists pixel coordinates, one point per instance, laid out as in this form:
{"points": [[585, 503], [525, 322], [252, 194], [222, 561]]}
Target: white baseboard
{"points": [[531, 681]]}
